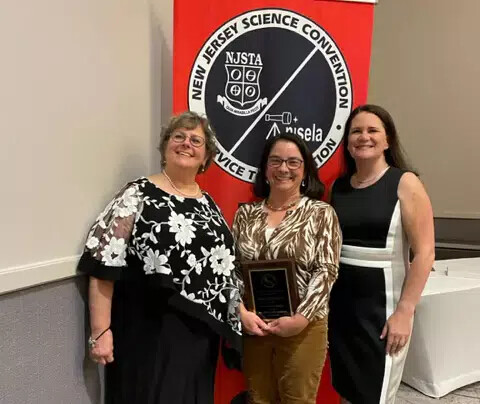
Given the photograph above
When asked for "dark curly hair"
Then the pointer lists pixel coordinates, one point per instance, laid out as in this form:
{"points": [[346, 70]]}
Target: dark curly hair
{"points": [[313, 187]]}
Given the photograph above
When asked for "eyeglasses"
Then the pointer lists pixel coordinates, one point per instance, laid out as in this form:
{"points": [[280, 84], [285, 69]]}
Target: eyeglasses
{"points": [[292, 163], [195, 140]]}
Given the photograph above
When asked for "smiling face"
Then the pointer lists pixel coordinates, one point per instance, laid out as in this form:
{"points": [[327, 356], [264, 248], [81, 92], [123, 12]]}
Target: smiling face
{"points": [[186, 153], [367, 138], [283, 178]]}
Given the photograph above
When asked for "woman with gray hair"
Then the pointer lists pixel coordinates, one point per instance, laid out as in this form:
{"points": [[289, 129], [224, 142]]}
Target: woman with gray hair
{"points": [[162, 286]]}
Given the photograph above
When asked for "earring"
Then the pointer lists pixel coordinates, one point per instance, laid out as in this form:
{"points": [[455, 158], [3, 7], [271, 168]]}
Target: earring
{"points": [[202, 168], [267, 182], [303, 183]]}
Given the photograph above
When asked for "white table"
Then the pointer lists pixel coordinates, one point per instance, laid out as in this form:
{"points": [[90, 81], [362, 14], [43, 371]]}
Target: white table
{"points": [[460, 267], [445, 344]]}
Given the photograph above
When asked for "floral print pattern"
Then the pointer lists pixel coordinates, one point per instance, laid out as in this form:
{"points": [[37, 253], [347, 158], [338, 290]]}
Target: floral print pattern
{"points": [[184, 241]]}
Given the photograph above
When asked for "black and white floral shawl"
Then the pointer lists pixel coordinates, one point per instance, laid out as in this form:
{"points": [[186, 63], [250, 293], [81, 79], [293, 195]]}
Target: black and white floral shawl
{"points": [[181, 244]]}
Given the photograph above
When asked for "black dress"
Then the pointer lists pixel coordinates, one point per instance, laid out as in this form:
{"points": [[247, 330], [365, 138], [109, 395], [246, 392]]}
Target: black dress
{"points": [[175, 293], [373, 264]]}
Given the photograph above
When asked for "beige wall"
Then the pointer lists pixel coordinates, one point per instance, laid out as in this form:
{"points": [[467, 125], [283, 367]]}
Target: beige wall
{"points": [[87, 85], [162, 50], [81, 111], [425, 70]]}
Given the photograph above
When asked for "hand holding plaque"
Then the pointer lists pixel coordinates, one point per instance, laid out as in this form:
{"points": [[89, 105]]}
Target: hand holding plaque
{"points": [[271, 287]]}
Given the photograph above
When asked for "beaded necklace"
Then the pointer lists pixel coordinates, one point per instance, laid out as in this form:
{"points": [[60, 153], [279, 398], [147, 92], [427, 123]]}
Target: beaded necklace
{"points": [[284, 207], [180, 192]]}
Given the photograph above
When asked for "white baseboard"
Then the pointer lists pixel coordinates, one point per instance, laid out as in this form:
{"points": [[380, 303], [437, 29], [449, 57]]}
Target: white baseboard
{"points": [[26, 276]]}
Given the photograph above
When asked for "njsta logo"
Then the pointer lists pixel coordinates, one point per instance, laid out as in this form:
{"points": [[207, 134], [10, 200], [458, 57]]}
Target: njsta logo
{"points": [[265, 72]]}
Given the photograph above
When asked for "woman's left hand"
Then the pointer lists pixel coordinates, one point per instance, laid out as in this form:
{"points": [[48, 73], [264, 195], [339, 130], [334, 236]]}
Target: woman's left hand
{"points": [[288, 326], [397, 329]]}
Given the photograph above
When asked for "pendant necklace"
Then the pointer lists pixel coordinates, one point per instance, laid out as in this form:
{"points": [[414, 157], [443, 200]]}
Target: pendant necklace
{"points": [[361, 182]]}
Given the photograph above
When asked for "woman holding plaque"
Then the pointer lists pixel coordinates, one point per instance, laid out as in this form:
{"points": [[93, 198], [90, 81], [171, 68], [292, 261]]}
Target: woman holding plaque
{"points": [[383, 210], [284, 357], [162, 284]]}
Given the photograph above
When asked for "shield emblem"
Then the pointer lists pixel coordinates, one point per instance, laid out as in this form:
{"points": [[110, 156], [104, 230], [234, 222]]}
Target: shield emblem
{"points": [[242, 85]]}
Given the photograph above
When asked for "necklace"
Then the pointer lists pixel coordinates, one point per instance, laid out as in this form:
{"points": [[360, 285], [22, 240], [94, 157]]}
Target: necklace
{"points": [[284, 207], [180, 192], [373, 179]]}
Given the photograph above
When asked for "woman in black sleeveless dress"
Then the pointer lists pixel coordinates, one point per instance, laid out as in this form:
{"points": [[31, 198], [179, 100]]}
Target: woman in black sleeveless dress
{"points": [[383, 211]]}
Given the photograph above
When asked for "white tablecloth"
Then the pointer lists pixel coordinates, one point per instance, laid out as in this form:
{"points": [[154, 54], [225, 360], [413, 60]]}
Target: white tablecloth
{"points": [[445, 344], [460, 267]]}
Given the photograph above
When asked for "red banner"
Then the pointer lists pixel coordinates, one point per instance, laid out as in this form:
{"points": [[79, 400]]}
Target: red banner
{"points": [[257, 68]]}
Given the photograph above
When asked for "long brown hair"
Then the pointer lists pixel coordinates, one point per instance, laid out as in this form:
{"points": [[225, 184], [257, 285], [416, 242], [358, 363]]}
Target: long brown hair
{"points": [[394, 155]]}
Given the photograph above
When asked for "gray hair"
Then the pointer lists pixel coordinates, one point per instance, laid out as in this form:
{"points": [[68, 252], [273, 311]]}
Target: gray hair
{"points": [[190, 120]]}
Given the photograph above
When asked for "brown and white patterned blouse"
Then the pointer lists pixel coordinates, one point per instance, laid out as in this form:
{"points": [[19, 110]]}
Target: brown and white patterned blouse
{"points": [[310, 234]]}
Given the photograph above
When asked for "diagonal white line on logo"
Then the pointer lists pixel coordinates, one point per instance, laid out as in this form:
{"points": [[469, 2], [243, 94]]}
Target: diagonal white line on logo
{"points": [[272, 101]]}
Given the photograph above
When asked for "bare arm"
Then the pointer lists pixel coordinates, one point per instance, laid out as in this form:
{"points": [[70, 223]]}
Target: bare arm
{"points": [[114, 223], [417, 220], [417, 217], [100, 294], [100, 304]]}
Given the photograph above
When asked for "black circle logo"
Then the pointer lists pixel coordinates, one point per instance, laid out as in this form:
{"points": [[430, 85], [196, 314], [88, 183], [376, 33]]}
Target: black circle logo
{"points": [[265, 72]]}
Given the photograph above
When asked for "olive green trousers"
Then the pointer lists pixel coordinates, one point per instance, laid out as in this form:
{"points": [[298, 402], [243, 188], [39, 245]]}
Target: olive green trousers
{"points": [[285, 370]]}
